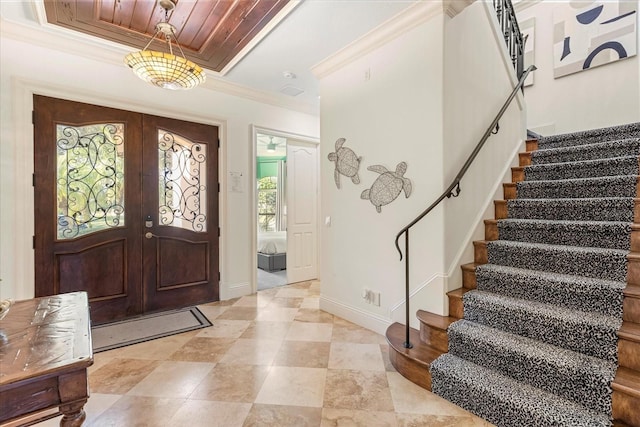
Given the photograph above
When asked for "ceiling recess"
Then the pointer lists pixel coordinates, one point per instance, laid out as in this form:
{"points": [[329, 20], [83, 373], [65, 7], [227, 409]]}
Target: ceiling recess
{"points": [[210, 32]]}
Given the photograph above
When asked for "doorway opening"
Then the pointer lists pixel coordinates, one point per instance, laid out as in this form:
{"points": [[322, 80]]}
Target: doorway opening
{"points": [[271, 179]]}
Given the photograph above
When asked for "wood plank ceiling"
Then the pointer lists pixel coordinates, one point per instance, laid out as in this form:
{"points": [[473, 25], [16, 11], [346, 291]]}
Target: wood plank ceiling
{"points": [[210, 32]]}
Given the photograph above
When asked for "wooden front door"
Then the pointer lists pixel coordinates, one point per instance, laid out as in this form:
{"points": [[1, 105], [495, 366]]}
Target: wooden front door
{"points": [[126, 208]]}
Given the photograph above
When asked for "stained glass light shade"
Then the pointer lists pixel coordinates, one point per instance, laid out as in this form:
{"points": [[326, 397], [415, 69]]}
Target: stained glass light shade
{"points": [[165, 70]]}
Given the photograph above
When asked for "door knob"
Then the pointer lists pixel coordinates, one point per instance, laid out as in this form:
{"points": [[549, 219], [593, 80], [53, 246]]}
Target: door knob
{"points": [[149, 235]]}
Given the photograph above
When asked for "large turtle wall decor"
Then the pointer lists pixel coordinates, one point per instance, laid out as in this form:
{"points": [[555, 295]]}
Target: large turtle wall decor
{"points": [[347, 163], [387, 187]]}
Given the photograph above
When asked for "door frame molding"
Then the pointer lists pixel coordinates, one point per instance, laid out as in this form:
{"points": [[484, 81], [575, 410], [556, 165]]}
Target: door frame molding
{"points": [[253, 218], [20, 165]]}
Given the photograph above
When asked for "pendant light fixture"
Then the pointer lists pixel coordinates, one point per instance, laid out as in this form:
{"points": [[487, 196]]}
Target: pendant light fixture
{"points": [[164, 69]]}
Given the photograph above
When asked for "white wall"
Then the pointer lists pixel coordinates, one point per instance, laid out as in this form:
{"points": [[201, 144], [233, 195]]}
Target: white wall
{"points": [[433, 91], [478, 80], [394, 115], [602, 96], [36, 67]]}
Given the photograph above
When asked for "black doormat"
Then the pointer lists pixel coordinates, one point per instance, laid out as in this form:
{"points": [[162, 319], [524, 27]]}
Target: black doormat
{"points": [[145, 328]]}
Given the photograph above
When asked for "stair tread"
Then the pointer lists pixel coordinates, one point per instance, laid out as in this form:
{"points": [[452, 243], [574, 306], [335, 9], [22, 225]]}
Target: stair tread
{"points": [[542, 150], [529, 347], [632, 291], [580, 162], [527, 402], [627, 381], [588, 180], [556, 247], [630, 331], [559, 277], [435, 320], [548, 310], [614, 133], [421, 352], [458, 293]]}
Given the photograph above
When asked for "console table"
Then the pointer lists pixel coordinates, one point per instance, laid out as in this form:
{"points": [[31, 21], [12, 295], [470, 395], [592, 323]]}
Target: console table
{"points": [[45, 350]]}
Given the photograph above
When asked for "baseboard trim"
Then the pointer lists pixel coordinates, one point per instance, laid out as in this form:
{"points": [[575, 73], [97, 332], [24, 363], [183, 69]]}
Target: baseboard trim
{"points": [[359, 317], [236, 290]]}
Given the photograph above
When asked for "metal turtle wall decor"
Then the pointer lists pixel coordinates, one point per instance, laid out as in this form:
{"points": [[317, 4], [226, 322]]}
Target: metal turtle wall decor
{"points": [[347, 163], [388, 186]]}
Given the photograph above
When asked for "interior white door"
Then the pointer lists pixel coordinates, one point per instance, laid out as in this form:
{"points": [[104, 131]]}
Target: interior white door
{"points": [[302, 199]]}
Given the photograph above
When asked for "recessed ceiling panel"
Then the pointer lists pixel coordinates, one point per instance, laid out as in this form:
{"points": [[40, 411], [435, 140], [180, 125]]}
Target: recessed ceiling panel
{"points": [[210, 32]]}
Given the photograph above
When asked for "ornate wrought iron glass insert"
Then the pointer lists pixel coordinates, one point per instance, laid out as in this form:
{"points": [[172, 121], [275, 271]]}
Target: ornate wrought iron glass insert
{"points": [[183, 176], [90, 178]]}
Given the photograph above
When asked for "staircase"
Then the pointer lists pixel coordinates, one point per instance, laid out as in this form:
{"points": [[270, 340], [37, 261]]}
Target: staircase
{"points": [[546, 328]]}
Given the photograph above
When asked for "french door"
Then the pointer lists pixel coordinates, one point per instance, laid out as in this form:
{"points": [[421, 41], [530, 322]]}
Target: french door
{"points": [[126, 208]]}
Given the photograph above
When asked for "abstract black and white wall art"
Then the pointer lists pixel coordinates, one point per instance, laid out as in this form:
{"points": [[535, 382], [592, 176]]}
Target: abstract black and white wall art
{"points": [[587, 34], [528, 30]]}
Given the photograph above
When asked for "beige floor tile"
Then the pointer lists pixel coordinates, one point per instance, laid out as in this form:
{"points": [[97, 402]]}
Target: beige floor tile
{"points": [[412, 399], [293, 386], [203, 349], [384, 349], [346, 331], [353, 418], [158, 349], [267, 330], [203, 413], [120, 375], [253, 300], [239, 313], [283, 416], [303, 354], [362, 357], [225, 329], [313, 315], [252, 352], [172, 379], [419, 420], [286, 302], [311, 302], [277, 314], [303, 331], [95, 406], [231, 383], [292, 292], [138, 411], [100, 359], [212, 311], [363, 390]]}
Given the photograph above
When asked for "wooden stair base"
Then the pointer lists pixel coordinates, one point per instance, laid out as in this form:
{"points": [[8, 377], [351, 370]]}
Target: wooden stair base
{"points": [[411, 363], [501, 210]]}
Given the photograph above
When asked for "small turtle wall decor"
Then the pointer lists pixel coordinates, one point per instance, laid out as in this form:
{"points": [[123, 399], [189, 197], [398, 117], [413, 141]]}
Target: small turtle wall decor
{"points": [[347, 163], [387, 187]]}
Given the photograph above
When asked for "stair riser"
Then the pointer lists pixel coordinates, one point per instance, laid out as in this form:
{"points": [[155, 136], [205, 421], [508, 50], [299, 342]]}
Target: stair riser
{"points": [[434, 337], [456, 308], [497, 410], [607, 266], [601, 151], [538, 373], [576, 296], [631, 309], [592, 169], [625, 408], [592, 136], [531, 144], [575, 213], [468, 276], [592, 340], [604, 187], [629, 354], [611, 236], [517, 174], [408, 368], [633, 269]]}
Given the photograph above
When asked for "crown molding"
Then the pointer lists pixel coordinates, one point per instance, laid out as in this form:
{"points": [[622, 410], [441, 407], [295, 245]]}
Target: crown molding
{"points": [[90, 47], [525, 4], [406, 20], [454, 7]]}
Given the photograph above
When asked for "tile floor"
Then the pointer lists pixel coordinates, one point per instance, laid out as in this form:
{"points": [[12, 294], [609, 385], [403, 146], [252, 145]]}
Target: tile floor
{"points": [[270, 359]]}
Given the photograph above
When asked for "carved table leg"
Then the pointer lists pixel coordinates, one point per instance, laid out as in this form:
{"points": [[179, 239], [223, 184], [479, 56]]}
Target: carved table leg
{"points": [[73, 414]]}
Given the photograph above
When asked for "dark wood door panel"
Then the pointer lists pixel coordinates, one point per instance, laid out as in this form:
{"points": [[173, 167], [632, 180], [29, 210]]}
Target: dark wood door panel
{"points": [[81, 244], [181, 261], [53, 249]]}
